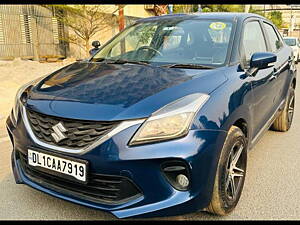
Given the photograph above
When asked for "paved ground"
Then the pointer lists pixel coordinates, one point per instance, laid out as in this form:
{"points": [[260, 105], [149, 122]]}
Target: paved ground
{"points": [[271, 188]]}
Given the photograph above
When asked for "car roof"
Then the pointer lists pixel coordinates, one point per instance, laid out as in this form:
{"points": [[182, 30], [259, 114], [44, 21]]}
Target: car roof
{"points": [[290, 37], [213, 15]]}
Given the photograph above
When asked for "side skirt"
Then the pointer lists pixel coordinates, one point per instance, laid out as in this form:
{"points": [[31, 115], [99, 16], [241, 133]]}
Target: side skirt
{"points": [[267, 125]]}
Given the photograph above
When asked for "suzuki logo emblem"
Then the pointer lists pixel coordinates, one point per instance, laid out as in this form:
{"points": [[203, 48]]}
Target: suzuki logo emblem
{"points": [[58, 133]]}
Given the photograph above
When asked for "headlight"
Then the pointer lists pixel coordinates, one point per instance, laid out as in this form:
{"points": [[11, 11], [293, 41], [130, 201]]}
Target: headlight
{"points": [[16, 107], [20, 91], [171, 121]]}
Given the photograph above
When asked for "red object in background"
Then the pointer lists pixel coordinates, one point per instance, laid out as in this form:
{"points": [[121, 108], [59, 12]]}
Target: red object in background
{"points": [[161, 10], [121, 18]]}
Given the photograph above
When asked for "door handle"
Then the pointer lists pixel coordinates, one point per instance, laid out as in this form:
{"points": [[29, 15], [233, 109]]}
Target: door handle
{"points": [[274, 74], [273, 77]]}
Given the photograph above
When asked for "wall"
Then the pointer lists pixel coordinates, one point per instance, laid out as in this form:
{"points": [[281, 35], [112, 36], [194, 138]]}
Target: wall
{"points": [[29, 30], [137, 11]]}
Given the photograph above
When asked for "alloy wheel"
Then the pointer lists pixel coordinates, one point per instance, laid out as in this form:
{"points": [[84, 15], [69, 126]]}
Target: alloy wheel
{"points": [[235, 171], [291, 109]]}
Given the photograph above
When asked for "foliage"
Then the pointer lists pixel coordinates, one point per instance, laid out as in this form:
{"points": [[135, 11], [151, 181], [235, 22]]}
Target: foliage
{"points": [[259, 12], [276, 18], [85, 21], [223, 8], [145, 36], [185, 8], [188, 8]]}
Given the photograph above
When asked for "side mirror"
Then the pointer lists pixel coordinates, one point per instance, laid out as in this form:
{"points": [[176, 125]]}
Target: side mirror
{"points": [[96, 44], [261, 60]]}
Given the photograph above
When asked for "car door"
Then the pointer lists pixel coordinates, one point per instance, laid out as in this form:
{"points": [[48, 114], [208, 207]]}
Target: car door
{"points": [[281, 66], [262, 82]]}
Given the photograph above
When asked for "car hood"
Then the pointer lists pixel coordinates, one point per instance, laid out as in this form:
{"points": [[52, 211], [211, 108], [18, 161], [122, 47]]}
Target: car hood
{"points": [[104, 92]]}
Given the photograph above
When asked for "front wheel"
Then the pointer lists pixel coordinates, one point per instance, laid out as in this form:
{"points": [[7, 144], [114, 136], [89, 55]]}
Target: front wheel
{"points": [[284, 121], [230, 175]]}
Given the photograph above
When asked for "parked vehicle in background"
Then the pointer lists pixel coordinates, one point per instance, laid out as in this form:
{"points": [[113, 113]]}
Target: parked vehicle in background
{"points": [[160, 120], [294, 43]]}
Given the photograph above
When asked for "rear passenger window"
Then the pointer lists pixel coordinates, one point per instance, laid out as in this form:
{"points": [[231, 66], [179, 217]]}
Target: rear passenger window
{"points": [[275, 42], [253, 40]]}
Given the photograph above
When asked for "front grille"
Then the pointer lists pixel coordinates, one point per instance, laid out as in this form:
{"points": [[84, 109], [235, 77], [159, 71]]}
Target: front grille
{"points": [[105, 189], [79, 133]]}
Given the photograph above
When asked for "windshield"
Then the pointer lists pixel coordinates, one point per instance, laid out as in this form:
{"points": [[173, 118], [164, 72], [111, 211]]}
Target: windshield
{"points": [[203, 42], [290, 41]]}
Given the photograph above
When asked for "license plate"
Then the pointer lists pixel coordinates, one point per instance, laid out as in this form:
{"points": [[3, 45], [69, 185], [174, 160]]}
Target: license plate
{"points": [[61, 165]]}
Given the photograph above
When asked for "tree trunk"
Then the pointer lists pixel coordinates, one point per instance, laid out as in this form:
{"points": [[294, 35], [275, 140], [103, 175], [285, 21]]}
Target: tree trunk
{"points": [[87, 48], [121, 18], [122, 26]]}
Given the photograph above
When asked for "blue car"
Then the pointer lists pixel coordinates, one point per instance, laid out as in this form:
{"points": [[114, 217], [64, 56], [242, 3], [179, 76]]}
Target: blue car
{"points": [[159, 121]]}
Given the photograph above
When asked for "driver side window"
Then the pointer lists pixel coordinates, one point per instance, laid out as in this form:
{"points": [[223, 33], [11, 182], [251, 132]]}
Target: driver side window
{"points": [[253, 41]]}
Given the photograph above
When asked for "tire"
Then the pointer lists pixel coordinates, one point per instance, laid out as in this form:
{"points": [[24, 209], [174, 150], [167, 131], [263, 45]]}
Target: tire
{"points": [[284, 121], [223, 200]]}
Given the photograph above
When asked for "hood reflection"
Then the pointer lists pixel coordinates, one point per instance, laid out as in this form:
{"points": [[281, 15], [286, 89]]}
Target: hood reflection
{"points": [[109, 83]]}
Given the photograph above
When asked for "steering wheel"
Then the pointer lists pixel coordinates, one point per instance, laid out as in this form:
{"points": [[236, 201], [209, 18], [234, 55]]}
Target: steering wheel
{"points": [[149, 48]]}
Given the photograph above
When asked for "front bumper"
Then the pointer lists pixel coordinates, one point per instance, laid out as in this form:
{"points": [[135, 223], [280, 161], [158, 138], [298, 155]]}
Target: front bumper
{"points": [[142, 165]]}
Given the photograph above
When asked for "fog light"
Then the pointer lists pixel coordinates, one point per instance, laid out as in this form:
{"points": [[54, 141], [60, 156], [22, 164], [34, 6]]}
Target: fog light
{"points": [[177, 174], [182, 180]]}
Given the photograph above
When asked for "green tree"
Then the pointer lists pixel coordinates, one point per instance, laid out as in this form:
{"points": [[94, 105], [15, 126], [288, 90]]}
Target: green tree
{"points": [[185, 8], [223, 8], [276, 18], [259, 12]]}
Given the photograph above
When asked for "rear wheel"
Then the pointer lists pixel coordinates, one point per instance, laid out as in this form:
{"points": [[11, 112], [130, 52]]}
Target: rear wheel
{"points": [[284, 121], [231, 171]]}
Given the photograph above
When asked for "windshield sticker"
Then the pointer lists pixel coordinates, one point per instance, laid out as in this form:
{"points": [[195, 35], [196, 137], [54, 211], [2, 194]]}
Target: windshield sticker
{"points": [[217, 26]]}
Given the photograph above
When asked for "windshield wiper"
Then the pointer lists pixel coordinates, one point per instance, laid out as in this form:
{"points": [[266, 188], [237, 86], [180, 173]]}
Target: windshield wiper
{"points": [[188, 65], [122, 61]]}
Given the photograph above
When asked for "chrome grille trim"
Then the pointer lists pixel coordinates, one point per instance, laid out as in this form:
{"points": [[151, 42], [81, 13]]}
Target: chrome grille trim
{"points": [[65, 132], [122, 126]]}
